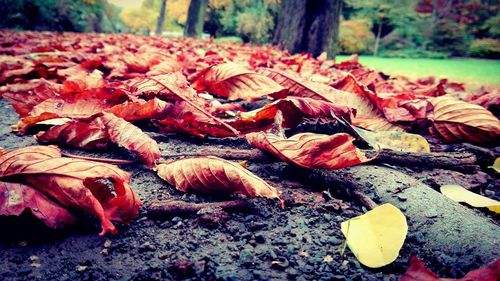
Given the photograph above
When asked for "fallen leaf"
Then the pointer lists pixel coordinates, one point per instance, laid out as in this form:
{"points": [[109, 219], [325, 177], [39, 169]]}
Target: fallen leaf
{"points": [[309, 150], [99, 131], [214, 176], [233, 82], [15, 198], [74, 183], [496, 165], [295, 110], [418, 272], [460, 194], [456, 121], [376, 237], [141, 110], [396, 140]]}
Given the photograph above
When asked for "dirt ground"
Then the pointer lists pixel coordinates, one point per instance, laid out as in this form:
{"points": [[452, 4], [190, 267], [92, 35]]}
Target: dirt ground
{"points": [[302, 241]]}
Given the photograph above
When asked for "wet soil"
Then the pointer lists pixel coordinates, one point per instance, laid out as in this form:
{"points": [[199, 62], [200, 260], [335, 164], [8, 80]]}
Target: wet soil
{"points": [[302, 241]]}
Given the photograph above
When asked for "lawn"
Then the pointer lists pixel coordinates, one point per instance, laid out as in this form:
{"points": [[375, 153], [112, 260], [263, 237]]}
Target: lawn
{"points": [[473, 72]]}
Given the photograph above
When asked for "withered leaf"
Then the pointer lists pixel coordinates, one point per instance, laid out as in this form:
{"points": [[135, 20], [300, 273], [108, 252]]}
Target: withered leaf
{"points": [[456, 121], [215, 176], [74, 183], [233, 82], [99, 131], [309, 150], [15, 198]]}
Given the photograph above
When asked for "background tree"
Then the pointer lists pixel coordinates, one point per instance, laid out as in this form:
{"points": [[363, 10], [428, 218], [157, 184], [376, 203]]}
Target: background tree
{"points": [[161, 17], [309, 26], [196, 18], [385, 15]]}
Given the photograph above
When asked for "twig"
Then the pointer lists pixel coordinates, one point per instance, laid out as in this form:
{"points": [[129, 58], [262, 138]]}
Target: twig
{"points": [[463, 162], [100, 160], [176, 207]]}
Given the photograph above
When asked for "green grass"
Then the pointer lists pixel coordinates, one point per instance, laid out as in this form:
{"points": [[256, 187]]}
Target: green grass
{"points": [[473, 72]]}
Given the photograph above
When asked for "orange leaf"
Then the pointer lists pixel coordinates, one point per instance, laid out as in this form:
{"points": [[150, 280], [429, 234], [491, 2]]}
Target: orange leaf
{"points": [[456, 121], [234, 82], [309, 150], [74, 183], [15, 198], [215, 176]]}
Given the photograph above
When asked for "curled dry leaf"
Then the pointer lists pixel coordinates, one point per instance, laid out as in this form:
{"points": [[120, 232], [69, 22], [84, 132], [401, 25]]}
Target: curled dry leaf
{"points": [[459, 194], [79, 105], [233, 82], [376, 237], [15, 198], [418, 272], [141, 110], [456, 121], [309, 150], [73, 183], [294, 110], [100, 130], [215, 176]]}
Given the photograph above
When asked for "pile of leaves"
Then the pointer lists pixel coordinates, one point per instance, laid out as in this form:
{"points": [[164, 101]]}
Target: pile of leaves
{"points": [[98, 92]]}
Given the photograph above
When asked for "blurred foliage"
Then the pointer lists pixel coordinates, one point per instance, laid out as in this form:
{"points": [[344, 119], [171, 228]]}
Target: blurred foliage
{"points": [[143, 19], [60, 15], [355, 36], [450, 37], [252, 20], [485, 48]]}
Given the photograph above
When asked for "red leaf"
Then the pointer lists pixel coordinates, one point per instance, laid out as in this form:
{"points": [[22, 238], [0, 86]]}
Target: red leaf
{"points": [[74, 183], [418, 272], [311, 151], [98, 131], [234, 82], [15, 198], [295, 110]]}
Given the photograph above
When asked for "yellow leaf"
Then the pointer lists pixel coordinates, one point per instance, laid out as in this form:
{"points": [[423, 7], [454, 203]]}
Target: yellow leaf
{"points": [[496, 165], [398, 141], [460, 194], [376, 237]]}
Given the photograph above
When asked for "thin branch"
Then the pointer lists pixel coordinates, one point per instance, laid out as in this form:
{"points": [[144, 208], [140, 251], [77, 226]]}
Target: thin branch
{"points": [[100, 160], [176, 207]]}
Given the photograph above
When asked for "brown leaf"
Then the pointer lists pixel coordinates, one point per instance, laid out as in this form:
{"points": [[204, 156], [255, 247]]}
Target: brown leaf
{"points": [[74, 183], [15, 198], [98, 131], [215, 176], [309, 150], [456, 121], [233, 82]]}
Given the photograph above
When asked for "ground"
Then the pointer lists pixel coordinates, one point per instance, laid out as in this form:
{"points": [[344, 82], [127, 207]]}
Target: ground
{"points": [[473, 72], [302, 241]]}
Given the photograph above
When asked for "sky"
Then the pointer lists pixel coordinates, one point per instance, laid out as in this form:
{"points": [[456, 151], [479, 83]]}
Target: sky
{"points": [[127, 3]]}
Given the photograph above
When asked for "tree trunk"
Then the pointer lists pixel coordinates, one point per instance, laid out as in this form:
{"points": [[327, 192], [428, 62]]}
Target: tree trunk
{"points": [[161, 17], [377, 40], [196, 18], [309, 26]]}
